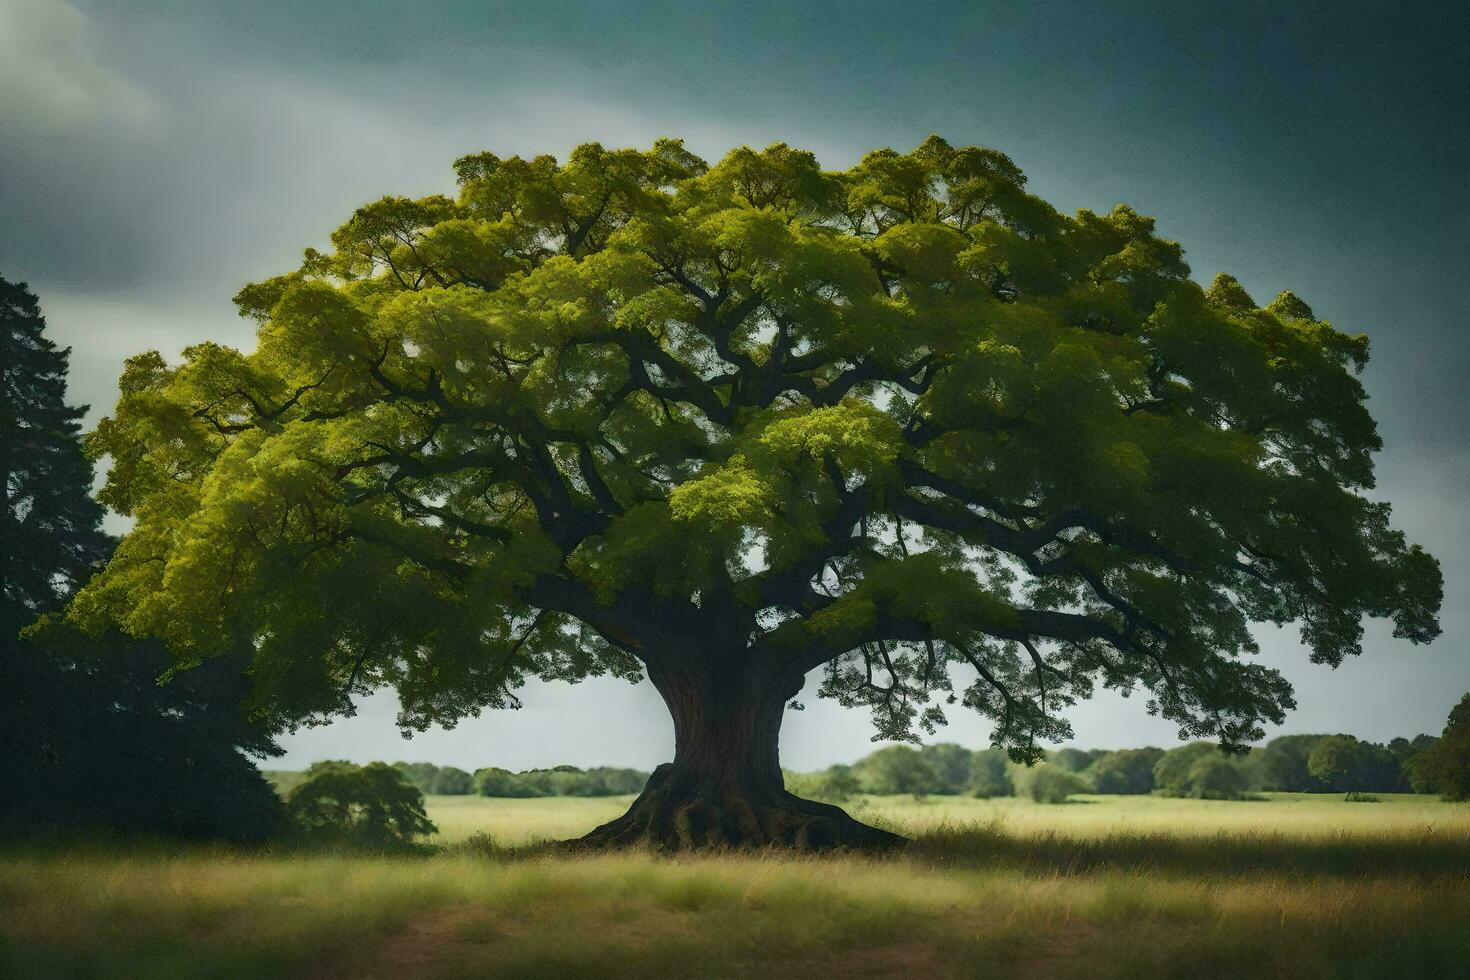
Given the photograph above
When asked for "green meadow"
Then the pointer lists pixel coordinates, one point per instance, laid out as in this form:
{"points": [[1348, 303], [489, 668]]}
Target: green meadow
{"points": [[1290, 885]]}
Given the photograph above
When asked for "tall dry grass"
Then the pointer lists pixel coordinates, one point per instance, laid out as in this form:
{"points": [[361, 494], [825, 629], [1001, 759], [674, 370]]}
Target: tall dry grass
{"points": [[1337, 890]]}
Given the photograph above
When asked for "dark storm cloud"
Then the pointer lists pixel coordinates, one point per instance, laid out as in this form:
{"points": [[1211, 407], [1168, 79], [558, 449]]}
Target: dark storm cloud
{"points": [[153, 157]]}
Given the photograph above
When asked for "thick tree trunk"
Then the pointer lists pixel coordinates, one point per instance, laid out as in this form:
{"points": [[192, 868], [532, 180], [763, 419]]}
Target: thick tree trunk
{"points": [[724, 787]]}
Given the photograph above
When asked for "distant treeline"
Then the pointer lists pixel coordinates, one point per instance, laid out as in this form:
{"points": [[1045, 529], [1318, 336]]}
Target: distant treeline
{"points": [[1291, 763], [435, 780]]}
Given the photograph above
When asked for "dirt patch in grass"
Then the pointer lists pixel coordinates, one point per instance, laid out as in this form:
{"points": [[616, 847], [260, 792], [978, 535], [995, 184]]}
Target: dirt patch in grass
{"points": [[425, 944], [902, 960], [1058, 953], [451, 941]]}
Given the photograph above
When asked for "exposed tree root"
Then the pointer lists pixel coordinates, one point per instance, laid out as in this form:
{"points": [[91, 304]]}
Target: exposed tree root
{"points": [[677, 812]]}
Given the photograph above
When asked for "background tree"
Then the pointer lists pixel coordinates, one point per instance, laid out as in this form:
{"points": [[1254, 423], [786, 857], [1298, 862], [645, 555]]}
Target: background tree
{"points": [[989, 774], [436, 781], [90, 738], [494, 781], [1075, 760], [895, 770], [453, 782], [1046, 782], [1126, 771], [1343, 764], [1409, 753], [835, 784], [1213, 777], [1282, 764], [730, 425], [1171, 772], [950, 764], [1444, 767], [372, 806], [51, 536]]}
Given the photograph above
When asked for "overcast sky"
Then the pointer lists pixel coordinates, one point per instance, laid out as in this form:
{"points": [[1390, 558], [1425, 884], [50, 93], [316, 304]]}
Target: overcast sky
{"points": [[154, 157]]}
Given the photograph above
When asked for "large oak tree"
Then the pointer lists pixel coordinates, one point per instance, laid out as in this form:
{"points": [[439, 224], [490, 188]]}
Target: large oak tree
{"points": [[905, 424]]}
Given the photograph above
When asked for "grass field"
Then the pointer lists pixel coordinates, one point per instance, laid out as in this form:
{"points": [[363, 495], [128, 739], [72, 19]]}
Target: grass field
{"points": [[1108, 887]]}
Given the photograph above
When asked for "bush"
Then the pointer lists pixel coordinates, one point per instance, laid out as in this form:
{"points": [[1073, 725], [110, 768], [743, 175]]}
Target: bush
{"points": [[1047, 783], [478, 844], [372, 806]]}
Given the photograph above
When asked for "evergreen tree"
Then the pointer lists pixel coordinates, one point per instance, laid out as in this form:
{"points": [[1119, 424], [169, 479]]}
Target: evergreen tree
{"points": [[90, 736], [50, 527]]}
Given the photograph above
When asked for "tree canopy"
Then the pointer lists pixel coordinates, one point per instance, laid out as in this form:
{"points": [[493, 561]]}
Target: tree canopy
{"points": [[634, 411]]}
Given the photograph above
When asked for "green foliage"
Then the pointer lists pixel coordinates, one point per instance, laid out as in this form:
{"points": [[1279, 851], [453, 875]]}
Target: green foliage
{"points": [[372, 806], [283, 781], [1202, 771], [835, 784], [990, 774], [91, 736], [50, 527], [894, 770], [1335, 764], [1171, 772], [1128, 772], [950, 764], [1214, 777], [1341, 763], [571, 781], [558, 781], [1412, 755], [436, 781], [494, 781], [92, 739], [1283, 764], [1444, 767], [1046, 783], [1074, 760], [892, 420], [453, 782]]}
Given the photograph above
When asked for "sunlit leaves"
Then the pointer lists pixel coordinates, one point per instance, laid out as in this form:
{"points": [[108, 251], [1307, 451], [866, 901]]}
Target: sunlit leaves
{"points": [[733, 494], [900, 419]]}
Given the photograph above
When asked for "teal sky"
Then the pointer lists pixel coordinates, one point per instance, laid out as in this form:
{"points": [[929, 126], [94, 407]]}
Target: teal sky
{"points": [[156, 156]]}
